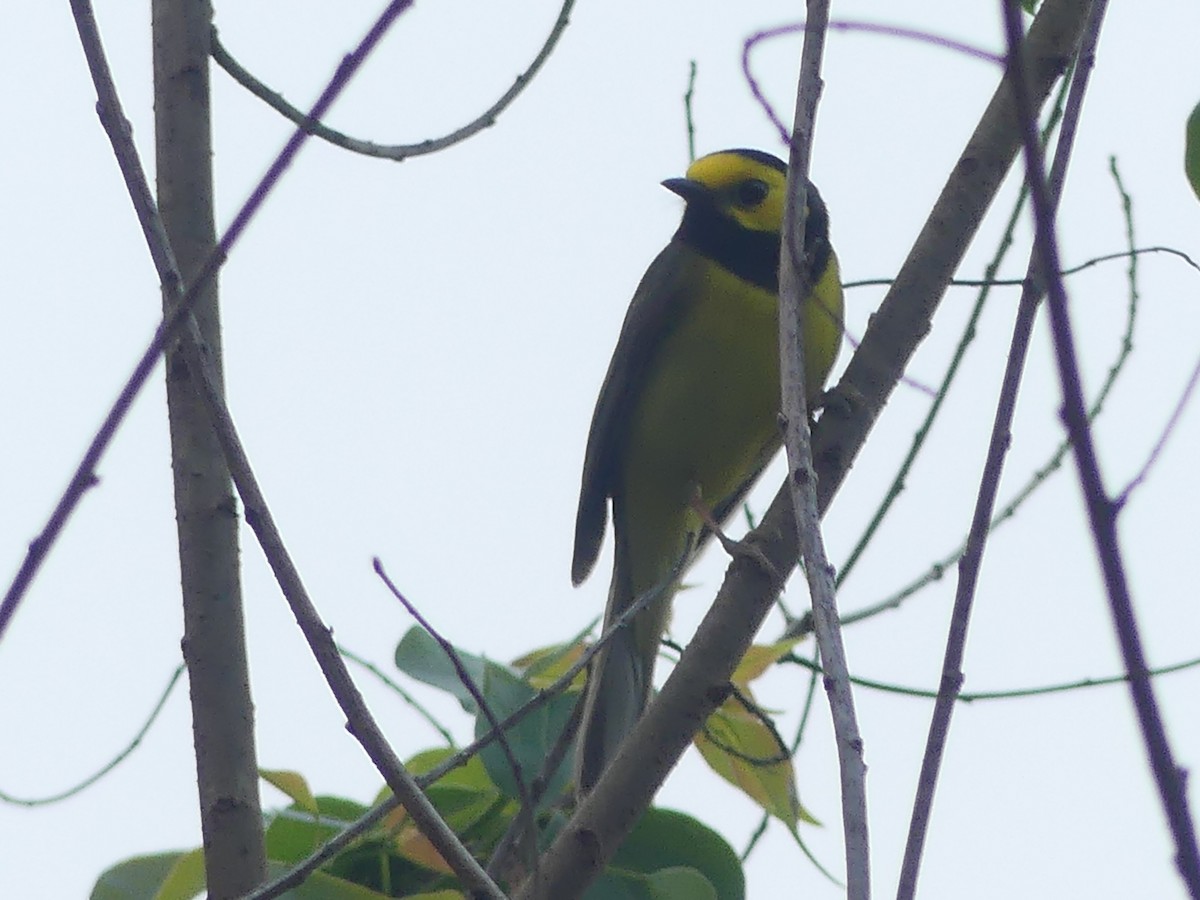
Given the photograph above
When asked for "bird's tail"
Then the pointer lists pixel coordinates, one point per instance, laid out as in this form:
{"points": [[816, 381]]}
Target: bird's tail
{"points": [[617, 690], [621, 674]]}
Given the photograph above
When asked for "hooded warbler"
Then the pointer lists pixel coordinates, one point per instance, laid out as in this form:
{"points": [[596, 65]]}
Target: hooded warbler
{"points": [[689, 411]]}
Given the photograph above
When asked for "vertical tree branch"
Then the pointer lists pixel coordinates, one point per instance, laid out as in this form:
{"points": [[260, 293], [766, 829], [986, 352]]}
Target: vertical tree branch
{"points": [[197, 358], [1102, 511], [981, 523], [795, 284], [214, 646]]}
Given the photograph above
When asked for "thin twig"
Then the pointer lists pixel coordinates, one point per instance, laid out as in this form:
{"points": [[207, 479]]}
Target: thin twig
{"points": [[1164, 435], [795, 284], [1001, 438], [112, 763], [1018, 282], [843, 25], [84, 476], [315, 127], [343, 839], [257, 513], [408, 698], [521, 830], [1102, 512], [1189, 388], [810, 694], [1009, 694], [688, 112], [748, 705], [523, 796]]}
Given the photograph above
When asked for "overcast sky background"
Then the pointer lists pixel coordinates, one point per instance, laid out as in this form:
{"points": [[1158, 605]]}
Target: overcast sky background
{"points": [[413, 352]]}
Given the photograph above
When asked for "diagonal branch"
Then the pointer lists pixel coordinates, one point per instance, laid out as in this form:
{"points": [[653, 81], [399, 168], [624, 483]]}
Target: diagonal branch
{"points": [[371, 818], [258, 515], [84, 476], [1102, 511], [1001, 438], [526, 801]]}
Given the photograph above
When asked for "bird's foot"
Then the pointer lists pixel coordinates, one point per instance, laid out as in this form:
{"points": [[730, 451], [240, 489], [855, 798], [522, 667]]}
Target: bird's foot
{"points": [[734, 548]]}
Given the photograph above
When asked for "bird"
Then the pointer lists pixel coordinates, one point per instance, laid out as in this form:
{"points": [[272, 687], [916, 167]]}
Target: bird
{"points": [[688, 413]]}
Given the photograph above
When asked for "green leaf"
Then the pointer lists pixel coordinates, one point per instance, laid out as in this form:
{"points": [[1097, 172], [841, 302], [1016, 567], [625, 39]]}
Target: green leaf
{"points": [[323, 886], [377, 864], [421, 657], [163, 876], [295, 833], [665, 840], [471, 774], [544, 666], [674, 883], [739, 747], [180, 876], [185, 879], [759, 658], [293, 784], [680, 883], [464, 797], [1191, 150], [530, 740]]}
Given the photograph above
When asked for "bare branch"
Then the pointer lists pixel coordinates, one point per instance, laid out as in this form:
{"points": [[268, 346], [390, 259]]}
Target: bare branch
{"points": [[972, 559], [795, 284], [527, 802], [398, 152], [84, 476], [1163, 436], [258, 515], [112, 763], [339, 842], [1102, 511], [214, 631]]}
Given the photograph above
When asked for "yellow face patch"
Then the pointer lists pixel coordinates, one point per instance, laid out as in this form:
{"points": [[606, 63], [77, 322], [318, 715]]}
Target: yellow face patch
{"points": [[746, 190]]}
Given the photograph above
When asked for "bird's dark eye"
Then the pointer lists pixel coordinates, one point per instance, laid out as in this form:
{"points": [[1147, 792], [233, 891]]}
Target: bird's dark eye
{"points": [[752, 192]]}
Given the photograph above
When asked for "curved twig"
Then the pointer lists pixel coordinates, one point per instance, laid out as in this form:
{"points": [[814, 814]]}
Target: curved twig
{"points": [[396, 152], [845, 25], [112, 763], [1008, 694]]}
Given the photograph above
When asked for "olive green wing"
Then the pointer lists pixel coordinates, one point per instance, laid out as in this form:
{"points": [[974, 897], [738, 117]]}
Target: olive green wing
{"points": [[658, 303]]}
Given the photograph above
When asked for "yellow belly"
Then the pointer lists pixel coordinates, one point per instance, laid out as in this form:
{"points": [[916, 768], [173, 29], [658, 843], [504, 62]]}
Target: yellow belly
{"points": [[709, 409]]}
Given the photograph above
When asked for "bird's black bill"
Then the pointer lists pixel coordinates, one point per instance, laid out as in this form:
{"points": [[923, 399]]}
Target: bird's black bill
{"points": [[687, 189]]}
